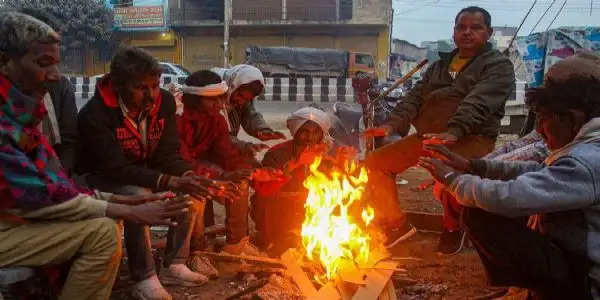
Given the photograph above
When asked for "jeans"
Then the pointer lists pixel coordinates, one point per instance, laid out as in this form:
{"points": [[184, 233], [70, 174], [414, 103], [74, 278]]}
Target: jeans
{"points": [[137, 236], [514, 255]]}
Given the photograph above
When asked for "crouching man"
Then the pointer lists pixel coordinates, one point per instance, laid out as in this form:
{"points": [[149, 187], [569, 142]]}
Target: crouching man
{"points": [[45, 220], [130, 144], [557, 254]]}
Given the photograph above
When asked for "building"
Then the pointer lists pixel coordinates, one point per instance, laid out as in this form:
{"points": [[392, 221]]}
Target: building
{"points": [[191, 32], [502, 36]]}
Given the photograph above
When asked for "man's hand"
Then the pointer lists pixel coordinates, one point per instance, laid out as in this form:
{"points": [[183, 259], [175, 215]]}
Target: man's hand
{"points": [[268, 134], [158, 212], [445, 138], [383, 130], [238, 175], [267, 175], [140, 199], [254, 148], [441, 152], [440, 171]]}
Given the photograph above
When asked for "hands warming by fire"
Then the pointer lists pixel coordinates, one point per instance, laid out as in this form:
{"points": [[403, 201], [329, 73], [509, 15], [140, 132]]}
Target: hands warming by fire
{"points": [[443, 164]]}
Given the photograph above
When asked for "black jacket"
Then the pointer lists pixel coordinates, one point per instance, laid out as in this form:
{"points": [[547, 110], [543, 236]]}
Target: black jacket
{"points": [[112, 150], [471, 104], [63, 100]]}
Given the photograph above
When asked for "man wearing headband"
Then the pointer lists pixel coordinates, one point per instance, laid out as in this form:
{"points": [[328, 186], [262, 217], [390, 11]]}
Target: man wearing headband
{"points": [[207, 146]]}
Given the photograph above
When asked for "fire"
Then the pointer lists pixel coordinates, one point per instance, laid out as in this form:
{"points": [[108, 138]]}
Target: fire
{"points": [[330, 232]]}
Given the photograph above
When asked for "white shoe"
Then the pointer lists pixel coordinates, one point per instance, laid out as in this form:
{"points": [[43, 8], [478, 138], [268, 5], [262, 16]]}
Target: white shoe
{"points": [[150, 289], [201, 264], [243, 247], [180, 274]]}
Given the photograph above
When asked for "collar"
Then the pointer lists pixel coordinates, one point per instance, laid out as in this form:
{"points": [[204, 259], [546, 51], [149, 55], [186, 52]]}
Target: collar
{"points": [[447, 56]]}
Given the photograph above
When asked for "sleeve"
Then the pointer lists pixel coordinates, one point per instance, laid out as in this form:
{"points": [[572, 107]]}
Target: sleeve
{"points": [[104, 155], [566, 185], [252, 121], [408, 108], [166, 157], [228, 154], [67, 122], [511, 146], [81, 207], [503, 169], [487, 97]]}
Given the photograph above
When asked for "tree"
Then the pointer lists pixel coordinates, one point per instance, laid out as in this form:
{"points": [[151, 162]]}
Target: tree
{"points": [[82, 23]]}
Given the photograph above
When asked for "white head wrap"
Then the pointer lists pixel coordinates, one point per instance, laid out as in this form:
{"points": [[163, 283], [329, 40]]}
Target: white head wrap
{"points": [[210, 90], [303, 115], [240, 75]]}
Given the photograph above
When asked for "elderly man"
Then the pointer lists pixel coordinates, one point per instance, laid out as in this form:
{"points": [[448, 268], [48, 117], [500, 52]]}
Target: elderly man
{"points": [[129, 138], [44, 219], [557, 255], [459, 102]]}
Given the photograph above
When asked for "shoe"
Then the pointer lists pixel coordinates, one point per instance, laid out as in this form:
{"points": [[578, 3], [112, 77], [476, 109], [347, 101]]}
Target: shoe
{"points": [[451, 242], [181, 275], [201, 264], [399, 234], [243, 247], [150, 289]]}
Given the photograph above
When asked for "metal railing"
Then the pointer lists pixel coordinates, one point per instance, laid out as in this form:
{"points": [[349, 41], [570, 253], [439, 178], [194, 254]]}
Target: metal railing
{"points": [[312, 13], [257, 13], [190, 17]]}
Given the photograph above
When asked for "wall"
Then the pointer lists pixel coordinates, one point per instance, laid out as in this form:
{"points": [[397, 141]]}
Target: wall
{"points": [[202, 48], [372, 12]]}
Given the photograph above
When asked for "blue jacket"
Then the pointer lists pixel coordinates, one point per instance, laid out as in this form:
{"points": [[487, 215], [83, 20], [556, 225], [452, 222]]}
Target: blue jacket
{"points": [[564, 191]]}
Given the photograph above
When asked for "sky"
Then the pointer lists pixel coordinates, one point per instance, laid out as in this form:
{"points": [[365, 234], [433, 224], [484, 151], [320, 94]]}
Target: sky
{"points": [[430, 20]]}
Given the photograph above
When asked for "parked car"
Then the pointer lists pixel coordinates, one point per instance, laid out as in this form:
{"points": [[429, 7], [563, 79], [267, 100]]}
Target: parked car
{"points": [[174, 69]]}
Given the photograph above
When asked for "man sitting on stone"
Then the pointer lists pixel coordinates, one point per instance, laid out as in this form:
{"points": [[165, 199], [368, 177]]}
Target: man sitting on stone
{"points": [[45, 220], [556, 255], [129, 138]]}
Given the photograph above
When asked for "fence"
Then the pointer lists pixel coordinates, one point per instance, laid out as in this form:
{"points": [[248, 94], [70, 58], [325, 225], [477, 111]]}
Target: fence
{"points": [[315, 90]]}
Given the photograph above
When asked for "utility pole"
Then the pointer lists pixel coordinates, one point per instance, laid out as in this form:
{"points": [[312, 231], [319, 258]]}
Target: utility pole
{"points": [[227, 21]]}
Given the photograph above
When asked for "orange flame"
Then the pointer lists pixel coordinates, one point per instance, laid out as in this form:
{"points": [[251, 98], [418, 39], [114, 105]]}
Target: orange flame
{"points": [[329, 232]]}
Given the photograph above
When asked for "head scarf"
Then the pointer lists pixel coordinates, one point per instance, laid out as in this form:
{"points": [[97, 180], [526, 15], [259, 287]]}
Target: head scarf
{"points": [[210, 90], [31, 176], [303, 115], [241, 75]]}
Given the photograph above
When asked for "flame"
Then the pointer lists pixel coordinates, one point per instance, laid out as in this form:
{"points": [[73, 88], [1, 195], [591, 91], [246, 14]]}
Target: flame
{"points": [[330, 233]]}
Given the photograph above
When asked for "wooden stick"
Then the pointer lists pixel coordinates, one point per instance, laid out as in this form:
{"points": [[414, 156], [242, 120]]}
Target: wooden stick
{"points": [[239, 258]]}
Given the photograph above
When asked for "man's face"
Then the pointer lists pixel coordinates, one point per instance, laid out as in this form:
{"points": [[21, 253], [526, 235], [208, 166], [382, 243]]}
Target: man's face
{"points": [[470, 32], [244, 94], [141, 92], [34, 72], [557, 130], [308, 135], [212, 105]]}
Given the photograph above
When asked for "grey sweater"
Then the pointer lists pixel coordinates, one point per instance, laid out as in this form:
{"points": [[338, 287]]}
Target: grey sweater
{"points": [[565, 191]]}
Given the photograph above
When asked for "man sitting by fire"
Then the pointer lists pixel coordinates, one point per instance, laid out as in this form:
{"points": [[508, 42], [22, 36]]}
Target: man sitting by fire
{"points": [[207, 146], [556, 255], [459, 102], [129, 136], [278, 207]]}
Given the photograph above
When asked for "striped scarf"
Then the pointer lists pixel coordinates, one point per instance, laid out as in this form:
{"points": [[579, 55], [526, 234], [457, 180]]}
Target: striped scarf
{"points": [[31, 176]]}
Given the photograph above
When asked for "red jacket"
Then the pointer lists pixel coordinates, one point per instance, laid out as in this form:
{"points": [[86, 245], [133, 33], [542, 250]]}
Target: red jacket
{"points": [[205, 137]]}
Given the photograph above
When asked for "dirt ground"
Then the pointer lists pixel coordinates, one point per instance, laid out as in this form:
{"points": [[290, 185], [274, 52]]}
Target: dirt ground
{"points": [[434, 277]]}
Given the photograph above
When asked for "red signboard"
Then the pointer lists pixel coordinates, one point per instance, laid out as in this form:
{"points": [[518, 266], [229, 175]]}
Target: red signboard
{"points": [[139, 16]]}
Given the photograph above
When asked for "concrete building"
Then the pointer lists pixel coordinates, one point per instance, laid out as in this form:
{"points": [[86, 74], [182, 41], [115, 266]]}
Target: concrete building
{"points": [[502, 36], [193, 31]]}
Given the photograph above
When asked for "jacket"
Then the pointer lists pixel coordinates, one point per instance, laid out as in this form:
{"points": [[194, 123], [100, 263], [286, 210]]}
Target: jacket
{"points": [[564, 191], [471, 104], [113, 149]]}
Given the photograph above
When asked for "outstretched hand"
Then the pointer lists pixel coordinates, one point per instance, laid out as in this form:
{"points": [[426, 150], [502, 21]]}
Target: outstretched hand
{"points": [[140, 199], [380, 131], [269, 134], [443, 153], [159, 212], [439, 170], [445, 138]]}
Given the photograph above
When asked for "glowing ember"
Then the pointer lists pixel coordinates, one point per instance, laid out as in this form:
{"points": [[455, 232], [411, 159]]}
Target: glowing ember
{"points": [[332, 234]]}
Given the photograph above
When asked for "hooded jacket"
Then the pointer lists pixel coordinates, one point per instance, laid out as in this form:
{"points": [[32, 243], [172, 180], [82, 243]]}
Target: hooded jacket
{"points": [[114, 150], [564, 191], [244, 116], [471, 104]]}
